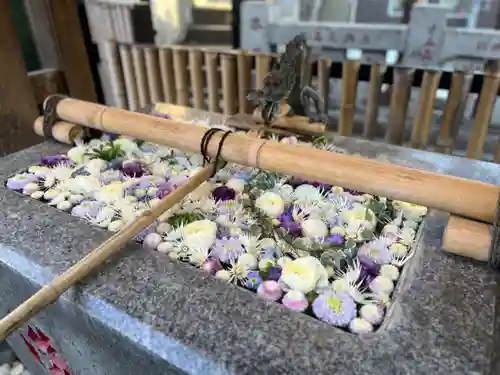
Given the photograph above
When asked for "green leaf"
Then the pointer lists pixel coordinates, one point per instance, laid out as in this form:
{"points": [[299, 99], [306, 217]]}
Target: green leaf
{"points": [[182, 219]]}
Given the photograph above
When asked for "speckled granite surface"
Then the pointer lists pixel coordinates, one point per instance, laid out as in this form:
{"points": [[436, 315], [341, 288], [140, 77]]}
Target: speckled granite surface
{"points": [[145, 313]]}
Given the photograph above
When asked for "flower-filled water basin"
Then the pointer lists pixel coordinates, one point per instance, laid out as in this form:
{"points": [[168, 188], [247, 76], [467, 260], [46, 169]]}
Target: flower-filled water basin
{"points": [[318, 249]]}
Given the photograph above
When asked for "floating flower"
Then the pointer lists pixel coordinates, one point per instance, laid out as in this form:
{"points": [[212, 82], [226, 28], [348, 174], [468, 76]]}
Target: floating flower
{"points": [[390, 271], [211, 266], [269, 290], [116, 225], [19, 181], [337, 309], [253, 280], [314, 228], [110, 193], [374, 253], [248, 260], [227, 249], [304, 275], [335, 239], [274, 273], [360, 326], [39, 170], [133, 169], [410, 211], [55, 160], [295, 300], [237, 184], [398, 250], [96, 166], [266, 263], [271, 204], [152, 240], [30, 188], [372, 313], [86, 208], [381, 285], [200, 234], [307, 194], [360, 214], [223, 193]]}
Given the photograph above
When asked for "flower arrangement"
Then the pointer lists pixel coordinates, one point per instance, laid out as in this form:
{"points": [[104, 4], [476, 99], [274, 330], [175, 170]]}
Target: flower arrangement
{"points": [[318, 249]]}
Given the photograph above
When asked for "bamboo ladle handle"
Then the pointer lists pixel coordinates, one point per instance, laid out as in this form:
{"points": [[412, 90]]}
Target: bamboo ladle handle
{"points": [[50, 292]]}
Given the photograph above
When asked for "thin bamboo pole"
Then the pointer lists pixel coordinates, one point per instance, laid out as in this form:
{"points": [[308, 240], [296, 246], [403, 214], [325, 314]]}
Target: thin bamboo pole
{"points": [[167, 74], [244, 82], [229, 84], [372, 107], [454, 111], [350, 71], [422, 121], [140, 75], [212, 81], [50, 292], [458, 196], [153, 75], [261, 69], [324, 82], [197, 78], [487, 100], [128, 74], [181, 76], [398, 108]]}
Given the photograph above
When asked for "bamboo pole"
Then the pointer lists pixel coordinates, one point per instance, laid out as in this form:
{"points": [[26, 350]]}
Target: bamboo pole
{"points": [[153, 75], [422, 121], [244, 82], [50, 292], [63, 132], [128, 74], [453, 112], [401, 90], [482, 119], [229, 84], [181, 76], [111, 59], [350, 71], [167, 74], [197, 78], [467, 238], [372, 107], [324, 82], [472, 199], [212, 81], [140, 75]]}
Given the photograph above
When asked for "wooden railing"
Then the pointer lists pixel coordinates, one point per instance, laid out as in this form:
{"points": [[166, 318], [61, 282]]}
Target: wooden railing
{"points": [[218, 81]]}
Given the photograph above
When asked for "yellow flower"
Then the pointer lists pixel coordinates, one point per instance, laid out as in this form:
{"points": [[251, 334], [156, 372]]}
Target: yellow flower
{"points": [[111, 192], [304, 275], [360, 213]]}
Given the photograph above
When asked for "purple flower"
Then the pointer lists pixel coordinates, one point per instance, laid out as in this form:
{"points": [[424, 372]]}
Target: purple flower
{"points": [[374, 253], [145, 183], [164, 190], [253, 280], [335, 239], [353, 192], [292, 227], [227, 249], [112, 136], [270, 290], [223, 193], [337, 309], [274, 273], [54, 160], [19, 181], [86, 208], [333, 219], [321, 185], [133, 169]]}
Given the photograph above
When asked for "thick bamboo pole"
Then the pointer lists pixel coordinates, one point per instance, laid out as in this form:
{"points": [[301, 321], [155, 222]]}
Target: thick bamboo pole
{"points": [[467, 238], [212, 80], [167, 74], [229, 83], [472, 199], [129, 75], [372, 106], [197, 78], [350, 71], [401, 90], [139, 65], [63, 132], [50, 292], [324, 82], [153, 74], [244, 81], [181, 76]]}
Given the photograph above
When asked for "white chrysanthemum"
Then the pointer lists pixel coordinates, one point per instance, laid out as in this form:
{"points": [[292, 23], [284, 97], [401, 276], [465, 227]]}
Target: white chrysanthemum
{"points": [[96, 166], [197, 256], [314, 228], [251, 243], [307, 194], [85, 185], [200, 234], [271, 204], [110, 193]]}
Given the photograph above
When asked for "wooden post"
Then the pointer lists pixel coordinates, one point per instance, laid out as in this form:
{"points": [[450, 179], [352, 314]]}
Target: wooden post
{"points": [[18, 108], [372, 105], [71, 46]]}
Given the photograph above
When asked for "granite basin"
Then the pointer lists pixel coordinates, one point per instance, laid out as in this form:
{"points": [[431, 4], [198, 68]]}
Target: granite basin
{"points": [[165, 317]]}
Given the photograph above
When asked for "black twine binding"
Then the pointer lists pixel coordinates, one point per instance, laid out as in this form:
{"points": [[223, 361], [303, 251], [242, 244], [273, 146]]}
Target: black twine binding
{"points": [[205, 141], [50, 113], [495, 240]]}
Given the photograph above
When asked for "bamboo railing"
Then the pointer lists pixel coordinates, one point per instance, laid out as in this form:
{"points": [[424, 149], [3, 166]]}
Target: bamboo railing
{"points": [[218, 81]]}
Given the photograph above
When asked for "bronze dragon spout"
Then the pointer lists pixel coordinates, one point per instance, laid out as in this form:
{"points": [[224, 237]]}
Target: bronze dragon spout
{"points": [[287, 82]]}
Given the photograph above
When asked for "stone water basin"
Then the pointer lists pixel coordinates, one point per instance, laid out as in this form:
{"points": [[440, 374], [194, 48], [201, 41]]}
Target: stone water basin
{"points": [[167, 317]]}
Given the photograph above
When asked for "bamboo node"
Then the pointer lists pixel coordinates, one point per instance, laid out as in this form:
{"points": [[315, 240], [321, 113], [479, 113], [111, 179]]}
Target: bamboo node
{"points": [[254, 153]]}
